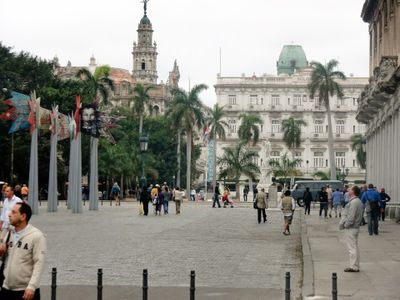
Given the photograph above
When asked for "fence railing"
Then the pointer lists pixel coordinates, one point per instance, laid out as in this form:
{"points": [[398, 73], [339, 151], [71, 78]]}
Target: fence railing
{"points": [[192, 288]]}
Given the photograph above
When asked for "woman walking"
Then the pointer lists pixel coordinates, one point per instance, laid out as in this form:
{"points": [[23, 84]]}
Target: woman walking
{"points": [[159, 201], [385, 198], [288, 206]]}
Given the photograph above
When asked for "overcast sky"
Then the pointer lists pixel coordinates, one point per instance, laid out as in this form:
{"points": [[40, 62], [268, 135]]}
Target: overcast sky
{"points": [[250, 33]]}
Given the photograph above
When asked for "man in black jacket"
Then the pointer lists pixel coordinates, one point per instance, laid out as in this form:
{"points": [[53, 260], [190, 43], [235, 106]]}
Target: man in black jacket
{"points": [[323, 202], [307, 198], [216, 196]]}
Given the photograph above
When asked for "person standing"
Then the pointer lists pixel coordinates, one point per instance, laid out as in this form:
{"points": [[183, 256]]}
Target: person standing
{"points": [[178, 198], [25, 254], [384, 199], [216, 196], [166, 196], [115, 194], [24, 192], [372, 200], [262, 204], [160, 201], [350, 224], [288, 206], [9, 201], [144, 199], [323, 202], [330, 197], [245, 193], [337, 200], [307, 198]]}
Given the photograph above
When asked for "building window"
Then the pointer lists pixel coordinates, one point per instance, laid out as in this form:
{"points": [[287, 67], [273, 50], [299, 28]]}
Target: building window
{"points": [[297, 100], [304, 98], [339, 126], [275, 100], [261, 128], [297, 155], [361, 128], [232, 99], [232, 126], [354, 128], [340, 102], [318, 126], [354, 163], [340, 159], [143, 65], [275, 126], [318, 159], [253, 100], [354, 101], [275, 155]]}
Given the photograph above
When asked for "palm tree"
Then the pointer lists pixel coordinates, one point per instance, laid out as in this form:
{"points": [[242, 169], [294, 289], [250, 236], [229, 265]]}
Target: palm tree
{"points": [[191, 110], [284, 167], [237, 161], [141, 99], [358, 141], [217, 125], [248, 129], [323, 85], [99, 83]]}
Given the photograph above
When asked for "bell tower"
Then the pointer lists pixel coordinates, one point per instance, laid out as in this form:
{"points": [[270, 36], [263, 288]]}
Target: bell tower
{"points": [[145, 52]]}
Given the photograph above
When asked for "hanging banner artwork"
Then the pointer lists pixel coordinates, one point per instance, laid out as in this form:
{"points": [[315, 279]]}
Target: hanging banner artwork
{"points": [[90, 120], [18, 112], [210, 161]]}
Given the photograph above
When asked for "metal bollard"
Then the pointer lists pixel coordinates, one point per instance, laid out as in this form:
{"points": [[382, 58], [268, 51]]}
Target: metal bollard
{"points": [[287, 286], [53, 283], [145, 287], [334, 286], [192, 285], [99, 284]]}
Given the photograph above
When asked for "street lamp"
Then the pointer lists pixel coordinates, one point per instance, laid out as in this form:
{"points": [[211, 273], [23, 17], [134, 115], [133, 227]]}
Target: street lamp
{"points": [[144, 142]]}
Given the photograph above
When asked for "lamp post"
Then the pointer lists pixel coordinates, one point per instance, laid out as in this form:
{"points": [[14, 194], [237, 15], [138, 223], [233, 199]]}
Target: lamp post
{"points": [[144, 142]]}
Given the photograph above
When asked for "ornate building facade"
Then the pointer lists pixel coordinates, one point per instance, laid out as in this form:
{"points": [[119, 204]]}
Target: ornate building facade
{"points": [[276, 98], [379, 103], [144, 71]]}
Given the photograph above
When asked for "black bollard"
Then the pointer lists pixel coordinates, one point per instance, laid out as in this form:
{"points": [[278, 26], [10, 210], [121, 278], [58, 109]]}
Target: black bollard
{"points": [[53, 283], [192, 285], [145, 287], [287, 286], [100, 284], [334, 286]]}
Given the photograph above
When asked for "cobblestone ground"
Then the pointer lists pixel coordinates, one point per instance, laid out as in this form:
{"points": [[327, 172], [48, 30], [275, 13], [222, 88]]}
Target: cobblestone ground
{"points": [[226, 247]]}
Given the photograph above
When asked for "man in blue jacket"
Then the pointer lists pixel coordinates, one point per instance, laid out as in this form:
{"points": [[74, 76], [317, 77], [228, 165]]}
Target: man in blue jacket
{"points": [[372, 201]]}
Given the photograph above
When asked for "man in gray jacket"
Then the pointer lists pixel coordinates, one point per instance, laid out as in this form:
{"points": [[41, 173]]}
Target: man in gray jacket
{"points": [[350, 222]]}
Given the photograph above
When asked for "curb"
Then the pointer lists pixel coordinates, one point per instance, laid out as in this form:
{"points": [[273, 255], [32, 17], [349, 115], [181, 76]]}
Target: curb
{"points": [[307, 288]]}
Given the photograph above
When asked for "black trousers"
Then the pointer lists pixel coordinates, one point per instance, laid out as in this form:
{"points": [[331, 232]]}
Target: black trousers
{"points": [[216, 200], [259, 210], [323, 206], [307, 207], [145, 207], [16, 295]]}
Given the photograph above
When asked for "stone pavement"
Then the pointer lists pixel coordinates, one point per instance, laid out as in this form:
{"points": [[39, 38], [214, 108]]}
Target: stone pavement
{"points": [[325, 252], [234, 257]]}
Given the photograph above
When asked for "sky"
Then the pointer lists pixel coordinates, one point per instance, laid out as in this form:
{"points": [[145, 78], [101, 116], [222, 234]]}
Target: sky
{"points": [[249, 34]]}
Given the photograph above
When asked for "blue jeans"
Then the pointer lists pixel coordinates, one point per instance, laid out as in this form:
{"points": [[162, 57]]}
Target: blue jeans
{"points": [[165, 205], [373, 221]]}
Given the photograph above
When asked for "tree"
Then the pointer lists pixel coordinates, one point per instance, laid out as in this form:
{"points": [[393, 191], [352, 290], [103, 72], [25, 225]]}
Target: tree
{"points": [[237, 161], [217, 125], [248, 129], [98, 84], [189, 107], [323, 85], [141, 100], [284, 167], [358, 141]]}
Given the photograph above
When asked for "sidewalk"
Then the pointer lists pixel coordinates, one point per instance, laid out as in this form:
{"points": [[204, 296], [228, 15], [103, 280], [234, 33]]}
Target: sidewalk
{"points": [[324, 253]]}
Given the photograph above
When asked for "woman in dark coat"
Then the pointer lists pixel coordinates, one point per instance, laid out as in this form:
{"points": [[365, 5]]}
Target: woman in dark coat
{"points": [[385, 198]]}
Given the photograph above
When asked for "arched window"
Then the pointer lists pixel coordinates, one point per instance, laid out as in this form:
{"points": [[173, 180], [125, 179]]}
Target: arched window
{"points": [[156, 110], [143, 65]]}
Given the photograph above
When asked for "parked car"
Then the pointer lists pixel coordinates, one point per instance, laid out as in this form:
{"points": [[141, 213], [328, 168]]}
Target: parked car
{"points": [[315, 186]]}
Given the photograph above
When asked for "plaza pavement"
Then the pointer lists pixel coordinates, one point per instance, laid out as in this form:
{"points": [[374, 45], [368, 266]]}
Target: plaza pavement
{"points": [[325, 252], [234, 257]]}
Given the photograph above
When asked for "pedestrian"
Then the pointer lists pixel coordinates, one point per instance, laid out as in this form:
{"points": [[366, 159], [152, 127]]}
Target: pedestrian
{"points": [[225, 198], [144, 200], [159, 201], [323, 202], [262, 204], [245, 193], [350, 224], [384, 199], [255, 191], [178, 198], [372, 201], [166, 197], [115, 191], [307, 198], [337, 200], [330, 196], [9, 201], [17, 191], [24, 248], [193, 195], [216, 196], [288, 206], [24, 192]]}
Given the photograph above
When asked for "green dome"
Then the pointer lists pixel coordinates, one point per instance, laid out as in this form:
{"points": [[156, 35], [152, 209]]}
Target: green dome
{"points": [[292, 57], [145, 20]]}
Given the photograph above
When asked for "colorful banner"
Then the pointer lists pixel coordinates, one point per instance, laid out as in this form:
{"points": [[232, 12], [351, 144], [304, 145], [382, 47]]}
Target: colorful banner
{"points": [[18, 112], [210, 161]]}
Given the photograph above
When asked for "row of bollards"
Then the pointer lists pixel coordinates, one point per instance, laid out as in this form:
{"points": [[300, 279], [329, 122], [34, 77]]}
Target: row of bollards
{"points": [[145, 285]]}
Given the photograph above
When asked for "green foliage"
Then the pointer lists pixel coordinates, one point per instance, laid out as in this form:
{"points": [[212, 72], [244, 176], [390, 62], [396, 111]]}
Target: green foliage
{"points": [[358, 141], [284, 167], [248, 129], [292, 132], [216, 122]]}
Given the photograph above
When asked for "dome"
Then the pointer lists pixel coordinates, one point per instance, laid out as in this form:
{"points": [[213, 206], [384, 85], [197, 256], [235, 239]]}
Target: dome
{"points": [[292, 57], [145, 20]]}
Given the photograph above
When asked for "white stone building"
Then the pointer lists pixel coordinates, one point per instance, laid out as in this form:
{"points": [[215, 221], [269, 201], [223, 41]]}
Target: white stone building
{"points": [[276, 98]]}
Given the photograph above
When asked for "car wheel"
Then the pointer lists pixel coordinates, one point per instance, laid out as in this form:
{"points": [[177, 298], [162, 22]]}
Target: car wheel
{"points": [[300, 202]]}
